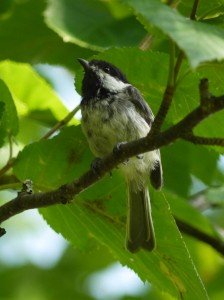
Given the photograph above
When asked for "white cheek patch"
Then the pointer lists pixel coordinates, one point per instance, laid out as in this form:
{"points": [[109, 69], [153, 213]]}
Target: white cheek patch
{"points": [[111, 83]]}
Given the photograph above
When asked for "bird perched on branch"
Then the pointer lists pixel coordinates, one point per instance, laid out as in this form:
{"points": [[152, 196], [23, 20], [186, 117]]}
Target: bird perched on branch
{"points": [[114, 112]]}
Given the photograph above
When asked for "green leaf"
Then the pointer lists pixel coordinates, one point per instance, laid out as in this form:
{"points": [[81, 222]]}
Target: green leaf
{"points": [[169, 267], [57, 161], [93, 24], [26, 38], [182, 160], [200, 42], [185, 212], [31, 92], [9, 121]]}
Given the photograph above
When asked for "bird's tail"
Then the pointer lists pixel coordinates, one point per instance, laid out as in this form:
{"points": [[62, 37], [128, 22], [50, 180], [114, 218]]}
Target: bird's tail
{"points": [[140, 231]]}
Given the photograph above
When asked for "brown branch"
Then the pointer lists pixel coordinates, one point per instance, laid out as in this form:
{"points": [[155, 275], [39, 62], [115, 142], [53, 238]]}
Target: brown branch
{"points": [[216, 243], [199, 140], [67, 192]]}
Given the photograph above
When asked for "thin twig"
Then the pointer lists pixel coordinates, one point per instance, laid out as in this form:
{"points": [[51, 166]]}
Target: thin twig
{"points": [[7, 167], [57, 126], [194, 10], [178, 64], [216, 243], [200, 140], [61, 123], [10, 146]]}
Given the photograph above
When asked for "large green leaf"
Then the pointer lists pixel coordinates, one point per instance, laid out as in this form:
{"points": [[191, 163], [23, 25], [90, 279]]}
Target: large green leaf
{"points": [[9, 121], [94, 24], [201, 42], [31, 92], [25, 37], [99, 213], [169, 267], [56, 161]]}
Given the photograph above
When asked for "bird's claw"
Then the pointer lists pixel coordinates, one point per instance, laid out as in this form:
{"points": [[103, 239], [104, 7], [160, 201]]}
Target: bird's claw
{"points": [[118, 147], [96, 165]]}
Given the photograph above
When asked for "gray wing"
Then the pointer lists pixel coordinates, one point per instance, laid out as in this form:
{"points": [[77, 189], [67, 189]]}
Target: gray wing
{"points": [[140, 104], [156, 173]]}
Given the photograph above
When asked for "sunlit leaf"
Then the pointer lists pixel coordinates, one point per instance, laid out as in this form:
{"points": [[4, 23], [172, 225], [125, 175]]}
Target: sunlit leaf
{"points": [[9, 120], [31, 91]]}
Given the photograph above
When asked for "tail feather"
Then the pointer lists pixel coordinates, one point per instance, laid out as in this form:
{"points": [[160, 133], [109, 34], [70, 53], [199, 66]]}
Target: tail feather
{"points": [[140, 231]]}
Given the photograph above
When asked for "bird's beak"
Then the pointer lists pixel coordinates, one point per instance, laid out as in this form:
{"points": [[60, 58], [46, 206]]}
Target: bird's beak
{"points": [[84, 63]]}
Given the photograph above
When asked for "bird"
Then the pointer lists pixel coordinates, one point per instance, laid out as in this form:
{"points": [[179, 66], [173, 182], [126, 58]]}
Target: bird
{"points": [[114, 112]]}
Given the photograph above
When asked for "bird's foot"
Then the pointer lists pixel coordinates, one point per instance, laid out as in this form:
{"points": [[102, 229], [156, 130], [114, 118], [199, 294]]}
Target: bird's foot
{"points": [[96, 165], [117, 148]]}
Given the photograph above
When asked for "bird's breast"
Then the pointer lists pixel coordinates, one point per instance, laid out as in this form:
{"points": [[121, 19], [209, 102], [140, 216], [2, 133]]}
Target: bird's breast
{"points": [[108, 122]]}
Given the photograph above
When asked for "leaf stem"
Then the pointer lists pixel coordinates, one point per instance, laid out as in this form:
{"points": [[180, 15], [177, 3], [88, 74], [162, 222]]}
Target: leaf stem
{"points": [[170, 81], [194, 10]]}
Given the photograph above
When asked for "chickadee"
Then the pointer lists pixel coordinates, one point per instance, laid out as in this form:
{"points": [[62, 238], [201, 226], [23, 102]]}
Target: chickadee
{"points": [[113, 112]]}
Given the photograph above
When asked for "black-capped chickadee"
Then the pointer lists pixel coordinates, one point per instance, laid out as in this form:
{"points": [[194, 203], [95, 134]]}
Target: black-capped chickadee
{"points": [[113, 112]]}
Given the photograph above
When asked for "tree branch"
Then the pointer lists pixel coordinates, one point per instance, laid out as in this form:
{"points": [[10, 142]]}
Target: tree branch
{"points": [[199, 140], [67, 192], [201, 236]]}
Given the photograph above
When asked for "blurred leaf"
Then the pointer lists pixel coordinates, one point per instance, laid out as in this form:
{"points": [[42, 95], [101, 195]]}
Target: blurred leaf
{"points": [[189, 35], [92, 24], [183, 210], [31, 92], [56, 161], [25, 37], [9, 121], [182, 160], [6, 8], [32, 282]]}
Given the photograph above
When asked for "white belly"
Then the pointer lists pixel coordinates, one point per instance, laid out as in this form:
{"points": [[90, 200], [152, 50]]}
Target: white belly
{"points": [[107, 125]]}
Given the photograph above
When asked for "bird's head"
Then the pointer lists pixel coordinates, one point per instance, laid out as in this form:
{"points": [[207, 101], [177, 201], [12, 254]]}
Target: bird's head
{"points": [[101, 78]]}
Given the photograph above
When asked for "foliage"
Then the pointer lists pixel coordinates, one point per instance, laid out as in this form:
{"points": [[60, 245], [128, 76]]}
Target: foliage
{"points": [[58, 32]]}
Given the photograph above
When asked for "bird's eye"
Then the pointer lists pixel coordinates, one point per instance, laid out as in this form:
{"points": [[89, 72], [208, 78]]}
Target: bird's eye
{"points": [[107, 69]]}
